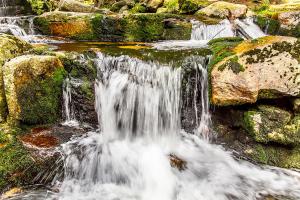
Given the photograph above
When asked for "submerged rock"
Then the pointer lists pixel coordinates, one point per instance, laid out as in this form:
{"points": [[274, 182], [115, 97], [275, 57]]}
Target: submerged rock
{"points": [[272, 124], [264, 68], [33, 86], [222, 9]]}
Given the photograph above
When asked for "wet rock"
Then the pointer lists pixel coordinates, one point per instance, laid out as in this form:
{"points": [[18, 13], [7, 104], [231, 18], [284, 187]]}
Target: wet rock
{"points": [[177, 162], [222, 9], [33, 88], [266, 68], [272, 124], [153, 5], [10, 47]]}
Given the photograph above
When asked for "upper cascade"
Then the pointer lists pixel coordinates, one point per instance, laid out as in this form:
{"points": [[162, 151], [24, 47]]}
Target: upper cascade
{"points": [[11, 7]]}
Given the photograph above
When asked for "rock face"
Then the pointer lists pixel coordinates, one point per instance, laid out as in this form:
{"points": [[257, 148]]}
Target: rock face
{"points": [[33, 86], [260, 69], [272, 124], [222, 9], [134, 27], [10, 47]]}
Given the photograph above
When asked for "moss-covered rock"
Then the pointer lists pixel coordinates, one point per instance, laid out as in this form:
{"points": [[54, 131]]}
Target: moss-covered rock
{"points": [[10, 47], [272, 124], [33, 86], [132, 27], [191, 6], [264, 68], [222, 9]]}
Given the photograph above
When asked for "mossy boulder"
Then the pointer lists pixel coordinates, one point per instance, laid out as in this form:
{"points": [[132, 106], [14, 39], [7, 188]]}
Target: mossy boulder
{"points": [[191, 6], [33, 88], [65, 24], [132, 27], [222, 9], [264, 68], [271, 124], [10, 47], [153, 5], [169, 6]]}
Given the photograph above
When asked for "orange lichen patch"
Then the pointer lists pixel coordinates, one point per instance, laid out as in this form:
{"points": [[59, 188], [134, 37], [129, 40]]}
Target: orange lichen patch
{"points": [[70, 28], [12, 192], [2, 145], [259, 43], [40, 137], [135, 47]]}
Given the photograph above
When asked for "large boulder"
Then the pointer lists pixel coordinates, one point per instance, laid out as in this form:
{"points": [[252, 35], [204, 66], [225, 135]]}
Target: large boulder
{"points": [[76, 6], [33, 87], [222, 9], [10, 47], [264, 68], [133, 27], [271, 124]]}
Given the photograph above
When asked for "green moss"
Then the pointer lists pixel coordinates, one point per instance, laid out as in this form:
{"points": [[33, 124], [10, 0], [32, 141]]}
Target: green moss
{"points": [[87, 89], [41, 6], [138, 8], [191, 6], [232, 64], [271, 26], [40, 99], [16, 164], [42, 24]]}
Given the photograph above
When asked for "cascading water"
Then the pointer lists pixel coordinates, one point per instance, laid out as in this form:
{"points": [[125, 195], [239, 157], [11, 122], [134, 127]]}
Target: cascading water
{"points": [[69, 111], [139, 113], [203, 33]]}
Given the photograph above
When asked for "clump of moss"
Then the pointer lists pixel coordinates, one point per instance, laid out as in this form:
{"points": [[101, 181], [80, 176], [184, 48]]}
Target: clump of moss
{"points": [[233, 64], [271, 26], [41, 6], [16, 164], [138, 8]]}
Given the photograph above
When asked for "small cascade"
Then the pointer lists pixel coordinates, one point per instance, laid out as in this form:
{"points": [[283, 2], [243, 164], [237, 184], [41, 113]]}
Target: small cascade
{"points": [[18, 26], [249, 29], [11, 7], [201, 31], [69, 111]]}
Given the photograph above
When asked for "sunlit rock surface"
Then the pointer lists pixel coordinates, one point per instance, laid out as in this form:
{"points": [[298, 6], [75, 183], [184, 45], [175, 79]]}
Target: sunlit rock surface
{"points": [[260, 69]]}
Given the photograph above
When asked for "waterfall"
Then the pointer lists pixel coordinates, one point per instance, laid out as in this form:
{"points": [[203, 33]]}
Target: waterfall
{"points": [[69, 110], [132, 158], [18, 26]]}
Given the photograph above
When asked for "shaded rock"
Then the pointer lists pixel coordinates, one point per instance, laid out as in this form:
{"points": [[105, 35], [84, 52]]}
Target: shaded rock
{"points": [[222, 9], [228, 122], [296, 105], [271, 124], [75, 6], [33, 86], [265, 68], [177, 162], [10, 47], [153, 5]]}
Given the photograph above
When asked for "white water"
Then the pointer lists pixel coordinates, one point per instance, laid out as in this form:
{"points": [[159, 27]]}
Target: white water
{"points": [[69, 111], [138, 105], [202, 34]]}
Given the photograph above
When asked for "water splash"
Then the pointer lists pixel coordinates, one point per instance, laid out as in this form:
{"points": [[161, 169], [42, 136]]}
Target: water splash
{"points": [[249, 29]]}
